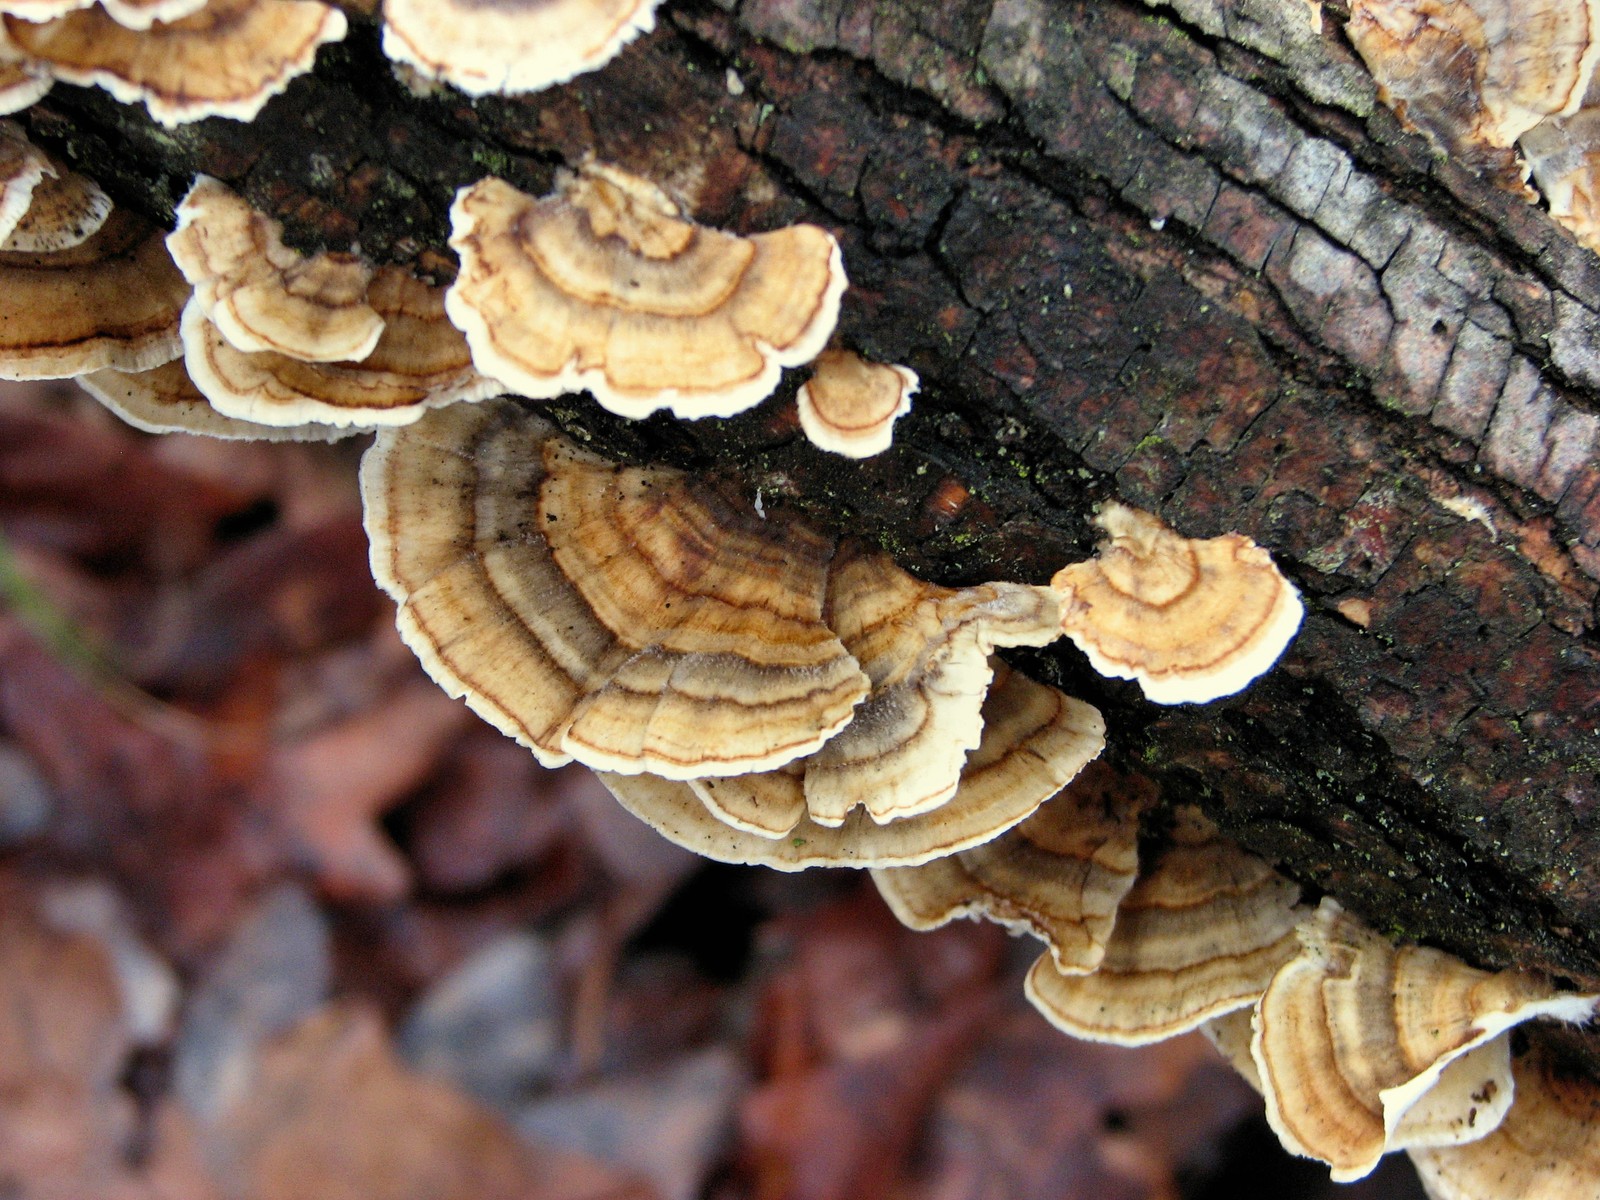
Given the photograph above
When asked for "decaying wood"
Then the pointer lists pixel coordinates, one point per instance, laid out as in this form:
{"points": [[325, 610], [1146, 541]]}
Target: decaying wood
{"points": [[1175, 253]]}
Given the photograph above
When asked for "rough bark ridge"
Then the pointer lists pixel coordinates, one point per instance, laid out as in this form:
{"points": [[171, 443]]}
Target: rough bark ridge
{"points": [[1175, 253]]}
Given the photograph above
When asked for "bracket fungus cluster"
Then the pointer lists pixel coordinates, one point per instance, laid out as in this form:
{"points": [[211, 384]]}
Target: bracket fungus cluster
{"points": [[82, 287], [1035, 739], [786, 691], [604, 286], [634, 619], [282, 339], [1135, 955], [261, 295], [1363, 1047], [758, 689], [111, 300], [1507, 85], [190, 59], [1360, 1047]]}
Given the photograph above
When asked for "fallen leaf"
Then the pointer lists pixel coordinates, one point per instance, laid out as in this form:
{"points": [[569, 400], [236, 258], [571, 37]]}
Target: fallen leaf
{"points": [[283, 593], [270, 975], [495, 810], [335, 1115], [671, 1125], [867, 1020], [99, 494], [134, 793], [67, 1129], [845, 1129], [328, 790], [1034, 1115]]}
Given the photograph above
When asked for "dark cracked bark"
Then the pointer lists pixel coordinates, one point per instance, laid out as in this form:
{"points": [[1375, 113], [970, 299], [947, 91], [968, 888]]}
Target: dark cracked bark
{"points": [[1177, 254]]}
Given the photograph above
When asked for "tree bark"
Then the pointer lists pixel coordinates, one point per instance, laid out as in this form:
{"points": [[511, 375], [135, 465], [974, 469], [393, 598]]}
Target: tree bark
{"points": [[1175, 253]]}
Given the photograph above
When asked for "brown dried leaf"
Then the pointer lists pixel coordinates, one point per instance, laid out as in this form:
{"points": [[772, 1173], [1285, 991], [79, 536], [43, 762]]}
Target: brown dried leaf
{"points": [[134, 799], [67, 1130], [865, 1021], [1035, 1116], [336, 1116], [284, 593], [330, 788], [493, 809], [99, 493]]}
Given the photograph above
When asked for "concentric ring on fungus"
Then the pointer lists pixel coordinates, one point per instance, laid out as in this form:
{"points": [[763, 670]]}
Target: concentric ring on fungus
{"points": [[1198, 935], [603, 286], [263, 296], [1191, 619], [420, 361], [1059, 875], [225, 60], [113, 300], [1035, 740], [1354, 1034], [635, 619], [926, 650]]}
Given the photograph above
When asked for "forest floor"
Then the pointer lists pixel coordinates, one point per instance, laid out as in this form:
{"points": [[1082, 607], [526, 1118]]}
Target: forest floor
{"points": [[280, 921]]}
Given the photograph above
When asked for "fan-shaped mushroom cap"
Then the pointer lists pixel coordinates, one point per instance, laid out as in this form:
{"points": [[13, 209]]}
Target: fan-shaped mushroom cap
{"points": [[520, 46], [130, 14], [1059, 875], [768, 804], [633, 619], [44, 207], [926, 650], [421, 361], [1035, 740], [164, 400], [1198, 935], [850, 405], [1191, 620], [1469, 1098], [112, 301], [1354, 1032], [1546, 1148], [226, 60], [22, 167], [604, 286], [1478, 72], [264, 296]]}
